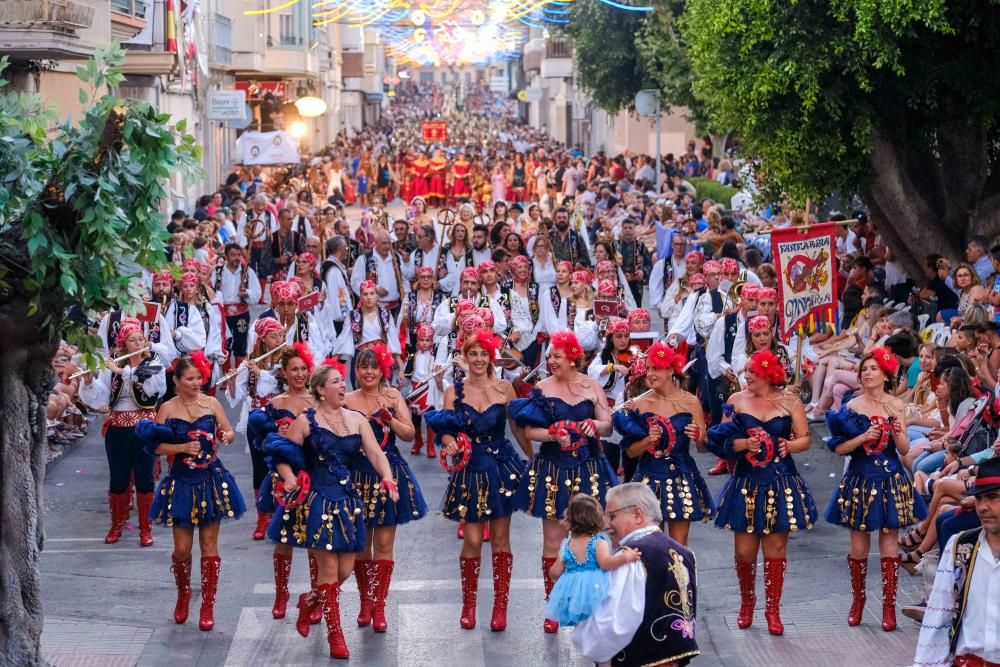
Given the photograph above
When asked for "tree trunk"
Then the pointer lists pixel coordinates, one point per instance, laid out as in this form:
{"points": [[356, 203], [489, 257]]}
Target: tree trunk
{"points": [[25, 379]]}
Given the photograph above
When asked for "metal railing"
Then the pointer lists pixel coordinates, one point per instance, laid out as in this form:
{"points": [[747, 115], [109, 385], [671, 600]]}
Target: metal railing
{"points": [[65, 13]]}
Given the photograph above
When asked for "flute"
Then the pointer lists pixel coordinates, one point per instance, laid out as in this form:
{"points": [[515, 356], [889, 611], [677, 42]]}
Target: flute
{"points": [[244, 366], [116, 360]]}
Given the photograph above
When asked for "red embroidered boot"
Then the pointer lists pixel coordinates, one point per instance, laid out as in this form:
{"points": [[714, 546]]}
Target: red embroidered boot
{"points": [[145, 501], [548, 625], [746, 574], [317, 613], [460, 534], [381, 576], [719, 468], [282, 569], [329, 595], [263, 521], [859, 573], [119, 504], [890, 573], [210, 567], [486, 531], [431, 454], [418, 442], [307, 606], [470, 585], [503, 563], [363, 575], [774, 579], [182, 577]]}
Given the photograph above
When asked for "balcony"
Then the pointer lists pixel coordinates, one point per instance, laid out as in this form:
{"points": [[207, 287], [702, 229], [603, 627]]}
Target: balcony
{"points": [[128, 18], [222, 41], [557, 62], [40, 29], [531, 58]]}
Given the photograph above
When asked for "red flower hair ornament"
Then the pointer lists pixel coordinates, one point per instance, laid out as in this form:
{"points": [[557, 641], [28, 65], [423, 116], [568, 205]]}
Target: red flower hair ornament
{"points": [[886, 360], [662, 356], [766, 364], [336, 365], [568, 343], [384, 358], [303, 352], [486, 340], [201, 363]]}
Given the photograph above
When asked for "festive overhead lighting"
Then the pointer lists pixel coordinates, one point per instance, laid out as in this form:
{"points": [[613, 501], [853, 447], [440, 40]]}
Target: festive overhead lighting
{"points": [[297, 129]]}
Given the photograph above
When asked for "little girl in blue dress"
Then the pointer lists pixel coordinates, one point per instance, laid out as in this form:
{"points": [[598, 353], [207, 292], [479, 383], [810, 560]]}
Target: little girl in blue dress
{"points": [[585, 557]]}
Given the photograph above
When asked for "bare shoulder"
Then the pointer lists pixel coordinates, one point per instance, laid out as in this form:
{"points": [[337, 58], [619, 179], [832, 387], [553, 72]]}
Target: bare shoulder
{"points": [[392, 393]]}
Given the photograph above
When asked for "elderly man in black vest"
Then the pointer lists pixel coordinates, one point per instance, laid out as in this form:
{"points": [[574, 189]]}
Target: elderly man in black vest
{"points": [[649, 616]]}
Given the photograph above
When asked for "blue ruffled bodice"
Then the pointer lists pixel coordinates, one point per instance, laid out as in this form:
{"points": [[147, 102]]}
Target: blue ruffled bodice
{"points": [[720, 443], [486, 430], [633, 426], [324, 455], [262, 421], [175, 431], [845, 424], [542, 411]]}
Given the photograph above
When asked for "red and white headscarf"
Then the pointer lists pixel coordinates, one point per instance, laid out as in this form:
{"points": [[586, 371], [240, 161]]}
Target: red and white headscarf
{"points": [[767, 294], [607, 288], [729, 265], [425, 272], [758, 323], [470, 273], [425, 330], [266, 325], [697, 279], [128, 326], [750, 291], [464, 307], [582, 276], [488, 319], [284, 290], [617, 325], [367, 285], [164, 276], [696, 255], [487, 265], [565, 265], [711, 266], [519, 260], [605, 265], [636, 315], [308, 258], [190, 279]]}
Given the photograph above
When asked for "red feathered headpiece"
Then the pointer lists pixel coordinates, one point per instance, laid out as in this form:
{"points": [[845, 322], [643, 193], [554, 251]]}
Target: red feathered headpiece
{"points": [[384, 358], [336, 365], [766, 364], [662, 356], [886, 360], [201, 363], [568, 343], [305, 354], [486, 340]]}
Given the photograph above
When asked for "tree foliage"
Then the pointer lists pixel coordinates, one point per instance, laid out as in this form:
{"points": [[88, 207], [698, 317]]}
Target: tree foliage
{"points": [[897, 100], [80, 203]]}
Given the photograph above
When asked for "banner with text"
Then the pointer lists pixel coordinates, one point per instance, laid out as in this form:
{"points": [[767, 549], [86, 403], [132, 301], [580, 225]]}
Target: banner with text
{"points": [[807, 289], [435, 131], [267, 148]]}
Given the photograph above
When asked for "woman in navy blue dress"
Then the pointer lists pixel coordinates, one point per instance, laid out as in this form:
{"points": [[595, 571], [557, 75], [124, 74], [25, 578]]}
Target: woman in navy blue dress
{"points": [[276, 417], [389, 418], [198, 492], [568, 413], [482, 493], [875, 493], [765, 499], [658, 430], [328, 517]]}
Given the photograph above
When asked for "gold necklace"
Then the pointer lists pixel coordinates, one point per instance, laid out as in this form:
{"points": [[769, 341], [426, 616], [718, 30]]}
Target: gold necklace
{"points": [[368, 393], [341, 423]]}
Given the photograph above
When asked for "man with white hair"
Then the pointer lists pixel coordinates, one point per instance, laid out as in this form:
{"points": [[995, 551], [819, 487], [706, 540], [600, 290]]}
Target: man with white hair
{"points": [[382, 265], [649, 615], [253, 233]]}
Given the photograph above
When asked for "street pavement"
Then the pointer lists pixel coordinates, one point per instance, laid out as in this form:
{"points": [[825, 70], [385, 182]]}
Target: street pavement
{"points": [[111, 606]]}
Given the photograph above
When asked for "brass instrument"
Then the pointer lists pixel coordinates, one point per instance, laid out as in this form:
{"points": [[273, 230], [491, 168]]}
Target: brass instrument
{"points": [[244, 366], [734, 291], [116, 360], [417, 386]]}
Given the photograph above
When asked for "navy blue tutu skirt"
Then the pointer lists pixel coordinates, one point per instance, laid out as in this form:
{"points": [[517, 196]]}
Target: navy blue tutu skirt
{"points": [[379, 510]]}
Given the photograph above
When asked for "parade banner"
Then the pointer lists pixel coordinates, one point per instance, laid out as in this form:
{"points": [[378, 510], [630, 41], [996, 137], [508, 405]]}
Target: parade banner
{"points": [[435, 131], [267, 148], [807, 290]]}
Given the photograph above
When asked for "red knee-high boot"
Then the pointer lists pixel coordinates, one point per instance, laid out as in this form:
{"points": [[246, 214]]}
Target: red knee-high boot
{"points": [[182, 577], [774, 579], [470, 586], [317, 613], [890, 573], [431, 453], [548, 625], [145, 501], [329, 595], [859, 573], [746, 574], [418, 442], [382, 575], [503, 563], [282, 570], [363, 575], [210, 567], [262, 520], [119, 504]]}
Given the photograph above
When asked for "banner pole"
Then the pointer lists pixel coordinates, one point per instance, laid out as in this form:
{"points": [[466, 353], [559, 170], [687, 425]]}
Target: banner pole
{"points": [[798, 357]]}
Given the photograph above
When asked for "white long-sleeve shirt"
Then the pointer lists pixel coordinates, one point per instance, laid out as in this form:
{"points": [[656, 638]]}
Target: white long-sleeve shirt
{"points": [[340, 299], [552, 321], [229, 292], [980, 631], [97, 393], [715, 352], [189, 337], [371, 330], [385, 277], [165, 350]]}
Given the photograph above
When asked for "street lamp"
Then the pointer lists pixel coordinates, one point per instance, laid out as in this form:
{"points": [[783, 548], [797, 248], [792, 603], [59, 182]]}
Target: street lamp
{"points": [[297, 129], [310, 107]]}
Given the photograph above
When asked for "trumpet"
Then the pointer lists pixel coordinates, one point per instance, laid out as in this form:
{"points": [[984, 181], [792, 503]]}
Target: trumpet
{"points": [[116, 360], [244, 366]]}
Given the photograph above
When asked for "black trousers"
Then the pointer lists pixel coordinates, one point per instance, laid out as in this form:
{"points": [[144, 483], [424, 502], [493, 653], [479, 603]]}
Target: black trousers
{"points": [[636, 287], [128, 459], [260, 469], [238, 330]]}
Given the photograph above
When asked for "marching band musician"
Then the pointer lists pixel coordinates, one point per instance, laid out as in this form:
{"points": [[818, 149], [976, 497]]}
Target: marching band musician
{"points": [[611, 368], [427, 253], [370, 323], [666, 270], [299, 327], [383, 267], [188, 327], [695, 321], [489, 287], [252, 390], [419, 307], [522, 311], [672, 302], [253, 232], [458, 254], [340, 299], [236, 286], [158, 333], [309, 283], [767, 306], [425, 390], [286, 244], [131, 390], [575, 313], [447, 311], [634, 258]]}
